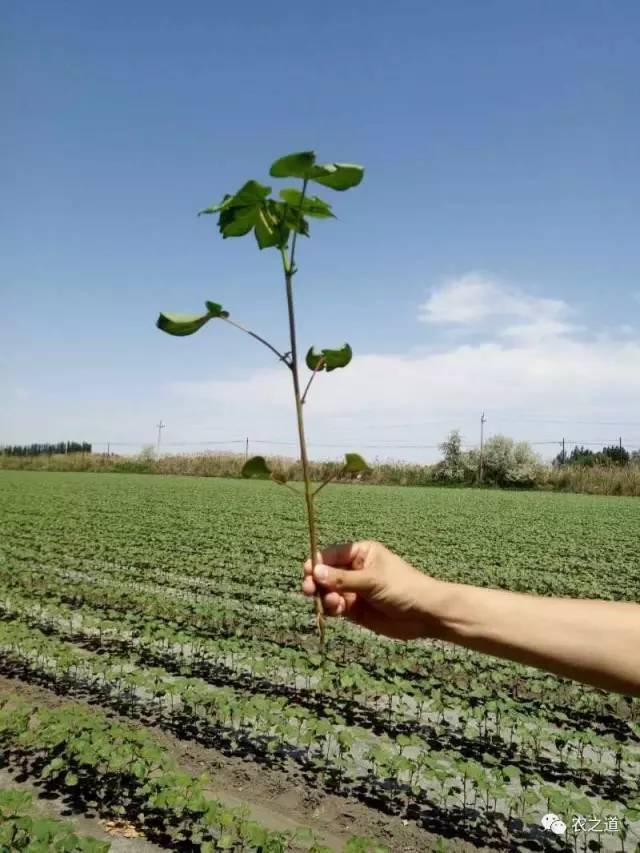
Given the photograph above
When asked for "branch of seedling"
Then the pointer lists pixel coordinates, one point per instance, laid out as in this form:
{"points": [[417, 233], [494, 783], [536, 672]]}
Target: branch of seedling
{"points": [[316, 370], [276, 224], [284, 357]]}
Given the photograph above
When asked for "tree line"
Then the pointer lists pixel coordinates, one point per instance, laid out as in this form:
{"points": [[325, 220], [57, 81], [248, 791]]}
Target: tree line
{"points": [[47, 449], [614, 454], [508, 463]]}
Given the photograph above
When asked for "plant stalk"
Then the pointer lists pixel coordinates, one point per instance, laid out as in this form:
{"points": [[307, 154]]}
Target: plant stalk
{"points": [[289, 272], [308, 493]]}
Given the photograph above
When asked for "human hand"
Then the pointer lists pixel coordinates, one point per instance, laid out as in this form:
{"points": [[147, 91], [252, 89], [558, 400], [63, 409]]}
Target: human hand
{"points": [[375, 588]]}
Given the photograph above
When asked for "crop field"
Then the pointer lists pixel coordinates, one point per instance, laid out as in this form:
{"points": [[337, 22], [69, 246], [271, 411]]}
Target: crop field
{"points": [[159, 670]]}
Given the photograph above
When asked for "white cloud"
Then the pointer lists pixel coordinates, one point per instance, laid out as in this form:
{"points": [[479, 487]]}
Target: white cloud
{"points": [[524, 361], [537, 330], [521, 360], [566, 373], [549, 377], [477, 302]]}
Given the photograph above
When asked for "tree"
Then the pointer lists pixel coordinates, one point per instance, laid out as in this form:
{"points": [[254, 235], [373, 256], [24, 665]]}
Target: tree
{"points": [[615, 454], [611, 455], [507, 463], [451, 466]]}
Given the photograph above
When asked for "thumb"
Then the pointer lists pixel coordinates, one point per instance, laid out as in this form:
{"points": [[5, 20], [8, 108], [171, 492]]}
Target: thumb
{"points": [[343, 580]]}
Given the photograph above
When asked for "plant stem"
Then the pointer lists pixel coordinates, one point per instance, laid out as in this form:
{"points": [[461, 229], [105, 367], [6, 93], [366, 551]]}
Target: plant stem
{"points": [[326, 483], [289, 272], [308, 495], [316, 369], [242, 328], [292, 268], [291, 489]]}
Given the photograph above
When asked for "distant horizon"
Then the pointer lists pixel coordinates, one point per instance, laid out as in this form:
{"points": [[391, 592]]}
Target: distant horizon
{"points": [[547, 451]]}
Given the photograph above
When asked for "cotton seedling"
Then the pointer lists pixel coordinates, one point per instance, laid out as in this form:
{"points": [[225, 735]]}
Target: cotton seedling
{"points": [[276, 223]]}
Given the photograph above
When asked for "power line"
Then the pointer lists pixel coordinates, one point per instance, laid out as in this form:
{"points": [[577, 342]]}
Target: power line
{"points": [[570, 421], [383, 444]]}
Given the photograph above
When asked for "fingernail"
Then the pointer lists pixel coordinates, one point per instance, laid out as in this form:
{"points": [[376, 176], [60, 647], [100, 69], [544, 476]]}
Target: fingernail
{"points": [[320, 573]]}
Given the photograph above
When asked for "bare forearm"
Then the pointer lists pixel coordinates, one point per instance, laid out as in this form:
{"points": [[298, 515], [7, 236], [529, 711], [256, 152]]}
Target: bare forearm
{"points": [[597, 642]]}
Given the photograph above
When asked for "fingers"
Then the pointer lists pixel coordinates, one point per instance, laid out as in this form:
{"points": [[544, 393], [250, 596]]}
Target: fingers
{"points": [[334, 604], [308, 586], [343, 580], [336, 555]]}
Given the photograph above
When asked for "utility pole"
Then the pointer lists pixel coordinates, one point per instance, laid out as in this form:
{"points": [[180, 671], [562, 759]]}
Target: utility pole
{"points": [[246, 449], [564, 457], [108, 449], [482, 423], [160, 426]]}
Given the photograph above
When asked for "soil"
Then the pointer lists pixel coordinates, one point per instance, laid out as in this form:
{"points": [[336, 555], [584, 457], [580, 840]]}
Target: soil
{"points": [[272, 797]]}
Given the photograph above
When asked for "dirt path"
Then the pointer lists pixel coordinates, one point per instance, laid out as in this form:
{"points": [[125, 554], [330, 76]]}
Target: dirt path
{"points": [[273, 798]]}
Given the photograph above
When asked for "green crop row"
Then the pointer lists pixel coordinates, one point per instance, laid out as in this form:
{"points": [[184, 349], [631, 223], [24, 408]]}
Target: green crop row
{"points": [[403, 766], [495, 722], [543, 543], [21, 830], [384, 669], [122, 771]]}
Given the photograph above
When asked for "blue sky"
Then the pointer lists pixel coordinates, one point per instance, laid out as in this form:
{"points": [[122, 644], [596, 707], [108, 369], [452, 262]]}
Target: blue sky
{"points": [[500, 141]]}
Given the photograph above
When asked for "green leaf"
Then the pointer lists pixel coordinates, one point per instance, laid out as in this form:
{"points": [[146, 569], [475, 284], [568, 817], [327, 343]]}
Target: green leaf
{"points": [[289, 219], [250, 194], [216, 208], [251, 209], [13, 802], [181, 324], [511, 771], [354, 463], [256, 467], [337, 176], [267, 230], [293, 165], [241, 212], [329, 359], [216, 310], [310, 205], [187, 324], [70, 779], [237, 221]]}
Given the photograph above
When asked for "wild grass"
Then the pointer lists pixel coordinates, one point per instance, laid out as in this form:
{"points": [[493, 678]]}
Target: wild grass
{"points": [[215, 464], [596, 480]]}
